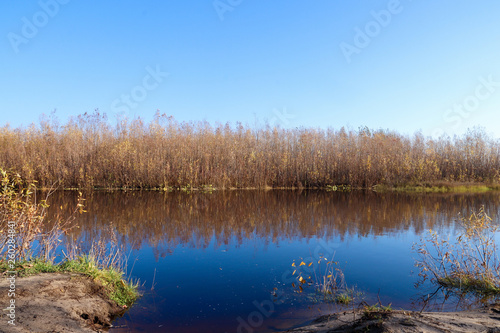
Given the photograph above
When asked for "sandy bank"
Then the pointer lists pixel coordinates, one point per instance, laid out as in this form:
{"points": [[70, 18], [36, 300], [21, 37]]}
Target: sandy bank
{"points": [[485, 320], [57, 303]]}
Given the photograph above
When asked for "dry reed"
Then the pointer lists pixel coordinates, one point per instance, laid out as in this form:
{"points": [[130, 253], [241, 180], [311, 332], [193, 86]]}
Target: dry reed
{"points": [[87, 152]]}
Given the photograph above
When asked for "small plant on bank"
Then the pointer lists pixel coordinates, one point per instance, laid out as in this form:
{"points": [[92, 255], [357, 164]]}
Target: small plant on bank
{"points": [[468, 265], [376, 311], [344, 298]]}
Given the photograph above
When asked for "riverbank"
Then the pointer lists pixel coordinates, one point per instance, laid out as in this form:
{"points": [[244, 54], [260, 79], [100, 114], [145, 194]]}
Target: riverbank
{"points": [[453, 187], [58, 302], [440, 187], [38, 287], [485, 319]]}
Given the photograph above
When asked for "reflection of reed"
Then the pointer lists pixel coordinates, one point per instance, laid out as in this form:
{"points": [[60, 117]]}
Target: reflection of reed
{"points": [[169, 219]]}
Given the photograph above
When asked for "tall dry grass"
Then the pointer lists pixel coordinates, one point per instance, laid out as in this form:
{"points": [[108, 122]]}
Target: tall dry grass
{"points": [[469, 264], [25, 232], [88, 152]]}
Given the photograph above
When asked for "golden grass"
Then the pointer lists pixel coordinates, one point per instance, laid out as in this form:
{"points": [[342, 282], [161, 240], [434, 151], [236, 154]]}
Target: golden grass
{"points": [[87, 152]]}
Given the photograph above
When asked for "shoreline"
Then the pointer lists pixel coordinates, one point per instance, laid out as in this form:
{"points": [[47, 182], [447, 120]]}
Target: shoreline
{"points": [[58, 302], [458, 187], [485, 319]]}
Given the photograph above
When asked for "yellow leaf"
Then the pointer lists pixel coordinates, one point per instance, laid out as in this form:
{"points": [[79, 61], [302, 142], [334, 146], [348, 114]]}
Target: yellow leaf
{"points": [[309, 265], [302, 264], [293, 264], [294, 272]]}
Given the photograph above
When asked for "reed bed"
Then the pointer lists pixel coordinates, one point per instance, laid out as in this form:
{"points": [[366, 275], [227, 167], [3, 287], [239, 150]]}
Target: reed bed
{"points": [[89, 152]]}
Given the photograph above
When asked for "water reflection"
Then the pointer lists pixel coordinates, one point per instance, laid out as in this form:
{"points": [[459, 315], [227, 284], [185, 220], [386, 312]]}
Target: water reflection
{"points": [[165, 220], [214, 254]]}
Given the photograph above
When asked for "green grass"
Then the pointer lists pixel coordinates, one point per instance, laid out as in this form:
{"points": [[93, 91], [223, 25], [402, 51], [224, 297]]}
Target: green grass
{"points": [[376, 311], [448, 188], [118, 290], [343, 298], [480, 286]]}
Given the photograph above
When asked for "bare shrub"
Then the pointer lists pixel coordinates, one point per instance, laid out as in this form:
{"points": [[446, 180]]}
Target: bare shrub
{"points": [[25, 215], [470, 264]]}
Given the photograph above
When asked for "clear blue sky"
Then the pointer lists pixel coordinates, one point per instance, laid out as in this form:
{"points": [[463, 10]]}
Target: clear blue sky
{"points": [[403, 65]]}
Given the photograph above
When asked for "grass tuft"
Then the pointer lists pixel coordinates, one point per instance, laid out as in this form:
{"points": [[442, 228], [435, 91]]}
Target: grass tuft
{"points": [[376, 311], [344, 298]]}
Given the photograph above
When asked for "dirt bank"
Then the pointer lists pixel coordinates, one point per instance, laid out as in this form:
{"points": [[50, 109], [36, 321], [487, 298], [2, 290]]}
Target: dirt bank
{"points": [[485, 320], [57, 303]]}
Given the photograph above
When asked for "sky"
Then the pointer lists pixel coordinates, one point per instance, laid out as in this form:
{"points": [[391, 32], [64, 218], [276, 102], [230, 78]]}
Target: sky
{"points": [[408, 65]]}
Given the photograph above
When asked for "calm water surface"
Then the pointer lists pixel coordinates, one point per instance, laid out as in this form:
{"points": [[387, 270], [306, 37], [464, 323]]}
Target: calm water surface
{"points": [[221, 261]]}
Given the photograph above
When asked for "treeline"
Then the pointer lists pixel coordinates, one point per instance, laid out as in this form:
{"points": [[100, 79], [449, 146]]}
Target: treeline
{"points": [[88, 152]]}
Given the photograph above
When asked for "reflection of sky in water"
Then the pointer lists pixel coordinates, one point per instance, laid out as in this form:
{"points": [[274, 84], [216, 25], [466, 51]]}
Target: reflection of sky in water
{"points": [[198, 284], [209, 271]]}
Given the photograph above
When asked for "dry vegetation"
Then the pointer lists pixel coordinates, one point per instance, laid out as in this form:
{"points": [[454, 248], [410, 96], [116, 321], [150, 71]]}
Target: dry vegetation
{"points": [[470, 264], [88, 152], [23, 223], [29, 240]]}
